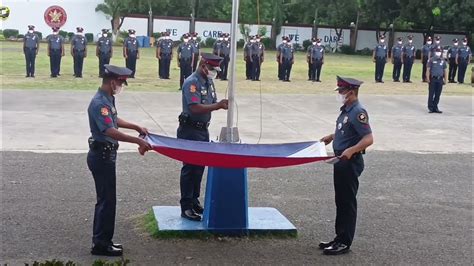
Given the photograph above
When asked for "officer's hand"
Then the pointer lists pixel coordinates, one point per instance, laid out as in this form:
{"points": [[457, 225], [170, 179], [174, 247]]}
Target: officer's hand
{"points": [[143, 146], [346, 155], [326, 139], [223, 104], [142, 130]]}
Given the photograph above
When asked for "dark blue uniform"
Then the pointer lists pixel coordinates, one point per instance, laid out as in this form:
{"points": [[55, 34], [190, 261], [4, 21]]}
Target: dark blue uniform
{"points": [[397, 52], [185, 56], [464, 55], [30, 49], [101, 161], [437, 66], [196, 50], [257, 50], [287, 60], [280, 68], [409, 52], [104, 52], [351, 126], [425, 51], [55, 46], [78, 47], [165, 47], [380, 60], [196, 90], [248, 59], [130, 45], [224, 52], [453, 67], [316, 57]]}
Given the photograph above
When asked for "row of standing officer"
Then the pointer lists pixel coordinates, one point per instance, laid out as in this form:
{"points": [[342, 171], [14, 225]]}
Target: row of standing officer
{"points": [[285, 58], [254, 55], [221, 48]]}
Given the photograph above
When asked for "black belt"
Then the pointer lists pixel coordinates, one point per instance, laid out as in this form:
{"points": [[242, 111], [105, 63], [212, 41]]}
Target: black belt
{"points": [[185, 60], [338, 153], [102, 146], [436, 77], [380, 57], [196, 124]]}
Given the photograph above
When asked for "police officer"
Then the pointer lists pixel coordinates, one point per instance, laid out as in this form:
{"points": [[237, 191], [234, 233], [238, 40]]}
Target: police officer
{"points": [[131, 51], [379, 57], [164, 53], [397, 59], [353, 135], [104, 50], [278, 53], [437, 45], [436, 74], [224, 51], [30, 49], [248, 57], [197, 49], [185, 59], [55, 52], [463, 58], [453, 66], [217, 44], [425, 55], [409, 53], [315, 58], [287, 59], [102, 156], [258, 56], [78, 51], [199, 100]]}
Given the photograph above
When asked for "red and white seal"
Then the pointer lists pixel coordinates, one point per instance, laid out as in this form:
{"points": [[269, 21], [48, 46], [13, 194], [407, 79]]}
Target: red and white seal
{"points": [[55, 16]]}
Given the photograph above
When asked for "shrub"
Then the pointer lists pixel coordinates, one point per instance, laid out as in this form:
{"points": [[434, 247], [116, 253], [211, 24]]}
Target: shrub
{"points": [[89, 37], [365, 51], [156, 35], [123, 34], [20, 36], [2, 38], [346, 49], [306, 44], [63, 33], [241, 43], [266, 41], [70, 35], [10, 33], [209, 42], [40, 34]]}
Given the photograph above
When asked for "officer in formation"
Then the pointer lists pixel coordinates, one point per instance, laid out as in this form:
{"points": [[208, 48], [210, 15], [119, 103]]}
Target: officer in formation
{"points": [[463, 58], [352, 136], [409, 53], [248, 57], [197, 49], [55, 52], [185, 59], [379, 57], [397, 59], [258, 56], [437, 45], [164, 53], [78, 51], [102, 156], [217, 44], [30, 49], [199, 100], [436, 74], [223, 50], [453, 66], [315, 59], [131, 51], [104, 50], [278, 53], [287, 59], [425, 55]]}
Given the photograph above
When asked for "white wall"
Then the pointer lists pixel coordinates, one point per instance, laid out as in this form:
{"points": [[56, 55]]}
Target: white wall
{"points": [[140, 25], [176, 27]]}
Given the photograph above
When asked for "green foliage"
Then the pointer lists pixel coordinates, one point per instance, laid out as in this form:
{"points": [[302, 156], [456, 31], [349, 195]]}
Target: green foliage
{"points": [[63, 33], [365, 51], [156, 35], [89, 37], [2, 38], [209, 42], [262, 31], [266, 41], [122, 262], [306, 44], [346, 49], [10, 33], [20, 36], [436, 11], [70, 35], [54, 262], [241, 43], [40, 34]]}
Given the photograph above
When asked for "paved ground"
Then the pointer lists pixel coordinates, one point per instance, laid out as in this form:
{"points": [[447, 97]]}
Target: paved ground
{"points": [[415, 197]]}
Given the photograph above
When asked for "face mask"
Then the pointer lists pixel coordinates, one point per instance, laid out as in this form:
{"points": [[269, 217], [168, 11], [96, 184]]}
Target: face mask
{"points": [[167, 37], [314, 43], [212, 74], [399, 42], [186, 40], [455, 44], [410, 41], [318, 44], [55, 33], [80, 34], [382, 41], [104, 35], [132, 35], [429, 43], [30, 31], [220, 39], [258, 40], [226, 39], [194, 38], [341, 98], [464, 43], [252, 41], [438, 54], [437, 42], [284, 41], [118, 89]]}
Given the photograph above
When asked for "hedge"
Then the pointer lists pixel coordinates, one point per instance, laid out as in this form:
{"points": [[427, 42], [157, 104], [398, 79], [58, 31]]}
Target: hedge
{"points": [[10, 33]]}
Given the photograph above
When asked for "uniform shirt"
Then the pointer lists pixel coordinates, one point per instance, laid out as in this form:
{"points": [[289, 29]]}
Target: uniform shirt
{"points": [[185, 50], [79, 43], [287, 51], [452, 52], [316, 52], [131, 44], [260, 49], [279, 49], [166, 46], [105, 45], [55, 42], [426, 49], [437, 65], [224, 48], [102, 116], [216, 46], [248, 49], [409, 50], [381, 50], [351, 126], [434, 47], [397, 51], [198, 90], [196, 46], [31, 40], [464, 52]]}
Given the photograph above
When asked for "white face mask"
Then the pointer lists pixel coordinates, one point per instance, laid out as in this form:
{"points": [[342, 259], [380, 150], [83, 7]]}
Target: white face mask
{"points": [[314, 43], [252, 41], [341, 98], [464, 43], [399, 42], [212, 74], [455, 44], [318, 44], [220, 39], [438, 54], [132, 35], [382, 41], [30, 31], [226, 39], [167, 37], [285, 41], [55, 33], [429, 43], [186, 40], [258, 40], [80, 33], [118, 90], [194, 38], [410, 41], [104, 35], [437, 42]]}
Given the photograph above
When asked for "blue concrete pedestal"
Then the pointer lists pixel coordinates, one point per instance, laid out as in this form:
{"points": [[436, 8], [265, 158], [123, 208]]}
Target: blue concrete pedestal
{"points": [[226, 210]]}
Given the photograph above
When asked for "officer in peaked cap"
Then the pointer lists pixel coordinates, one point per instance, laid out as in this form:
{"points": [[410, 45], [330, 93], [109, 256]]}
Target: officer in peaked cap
{"points": [[198, 102], [131, 51], [397, 59], [315, 59], [197, 49], [287, 59], [278, 54], [78, 51], [409, 53], [437, 45], [248, 47], [379, 57], [30, 49], [55, 51], [425, 55], [352, 136], [436, 76], [164, 53], [463, 58], [104, 50], [102, 156], [186, 59], [224, 52], [453, 66]]}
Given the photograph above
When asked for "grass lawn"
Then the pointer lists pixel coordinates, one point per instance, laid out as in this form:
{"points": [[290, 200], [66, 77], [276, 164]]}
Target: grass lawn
{"points": [[12, 73]]}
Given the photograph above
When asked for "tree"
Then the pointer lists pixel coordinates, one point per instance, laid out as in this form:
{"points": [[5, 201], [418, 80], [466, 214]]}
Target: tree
{"points": [[339, 14], [116, 10]]}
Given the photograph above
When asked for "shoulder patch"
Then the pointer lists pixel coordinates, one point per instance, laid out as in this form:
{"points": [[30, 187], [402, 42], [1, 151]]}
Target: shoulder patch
{"points": [[192, 88], [362, 117], [104, 111]]}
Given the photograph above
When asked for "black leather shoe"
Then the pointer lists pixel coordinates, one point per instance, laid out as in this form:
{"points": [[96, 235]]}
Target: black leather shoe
{"points": [[438, 111], [198, 208], [106, 251], [323, 245], [431, 111], [191, 215], [336, 249], [119, 246]]}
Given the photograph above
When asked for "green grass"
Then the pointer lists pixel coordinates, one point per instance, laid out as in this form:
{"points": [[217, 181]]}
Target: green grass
{"points": [[12, 74]]}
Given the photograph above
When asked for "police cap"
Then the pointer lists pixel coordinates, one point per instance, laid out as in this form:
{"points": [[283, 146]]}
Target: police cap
{"points": [[410, 37], [131, 31], [79, 29], [55, 29], [400, 38], [347, 83], [455, 40], [105, 31], [381, 36], [116, 72], [31, 27], [438, 37], [212, 60]]}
